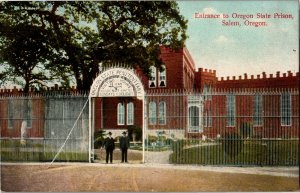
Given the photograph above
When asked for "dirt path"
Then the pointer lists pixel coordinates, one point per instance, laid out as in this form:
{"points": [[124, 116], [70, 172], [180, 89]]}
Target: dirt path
{"points": [[127, 178]]}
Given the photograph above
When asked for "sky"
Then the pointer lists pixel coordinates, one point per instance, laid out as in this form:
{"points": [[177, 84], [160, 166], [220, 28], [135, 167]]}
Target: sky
{"points": [[235, 50]]}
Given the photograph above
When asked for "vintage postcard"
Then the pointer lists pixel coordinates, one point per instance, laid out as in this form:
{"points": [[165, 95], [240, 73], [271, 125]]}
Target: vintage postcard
{"points": [[160, 96]]}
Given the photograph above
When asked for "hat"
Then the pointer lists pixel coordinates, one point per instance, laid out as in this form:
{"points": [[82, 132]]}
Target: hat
{"points": [[124, 132], [109, 133]]}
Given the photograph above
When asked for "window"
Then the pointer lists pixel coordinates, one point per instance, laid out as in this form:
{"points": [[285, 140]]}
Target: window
{"points": [[207, 119], [130, 113], [28, 113], [121, 114], [162, 77], [162, 113], [21, 110], [152, 79], [258, 110], [230, 110], [285, 109], [207, 92], [152, 113], [194, 118], [10, 114]]}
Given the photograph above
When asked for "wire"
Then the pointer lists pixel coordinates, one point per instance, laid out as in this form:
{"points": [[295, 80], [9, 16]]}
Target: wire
{"points": [[69, 133]]}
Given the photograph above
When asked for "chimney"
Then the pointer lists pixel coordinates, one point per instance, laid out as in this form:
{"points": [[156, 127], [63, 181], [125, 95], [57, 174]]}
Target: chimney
{"points": [[252, 77], [258, 76], [240, 77], [245, 76], [227, 77], [271, 75], [264, 75]]}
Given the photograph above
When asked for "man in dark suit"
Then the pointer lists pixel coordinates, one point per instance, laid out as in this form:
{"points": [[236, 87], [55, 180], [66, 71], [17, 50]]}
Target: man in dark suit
{"points": [[124, 145], [109, 145]]}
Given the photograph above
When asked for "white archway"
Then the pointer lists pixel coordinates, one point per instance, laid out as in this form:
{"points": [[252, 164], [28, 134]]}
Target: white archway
{"points": [[115, 82]]}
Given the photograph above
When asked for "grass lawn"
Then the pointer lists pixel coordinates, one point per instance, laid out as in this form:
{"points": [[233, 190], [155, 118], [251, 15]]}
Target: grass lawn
{"points": [[257, 152]]}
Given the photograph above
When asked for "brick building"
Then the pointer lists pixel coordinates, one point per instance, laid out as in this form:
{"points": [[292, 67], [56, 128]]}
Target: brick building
{"points": [[188, 102], [174, 102]]}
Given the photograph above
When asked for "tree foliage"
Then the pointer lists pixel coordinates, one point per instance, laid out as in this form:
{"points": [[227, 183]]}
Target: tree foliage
{"points": [[66, 38]]}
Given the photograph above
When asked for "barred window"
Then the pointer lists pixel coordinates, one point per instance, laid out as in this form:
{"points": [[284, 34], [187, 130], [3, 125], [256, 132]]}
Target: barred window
{"points": [[207, 118], [10, 114], [285, 109], [28, 113], [230, 110], [162, 113], [194, 118], [258, 110], [121, 114], [130, 113], [19, 110], [207, 92], [152, 113]]}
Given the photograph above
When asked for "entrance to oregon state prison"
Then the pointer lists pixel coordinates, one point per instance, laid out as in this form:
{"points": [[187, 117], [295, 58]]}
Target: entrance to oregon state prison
{"points": [[116, 104], [209, 127]]}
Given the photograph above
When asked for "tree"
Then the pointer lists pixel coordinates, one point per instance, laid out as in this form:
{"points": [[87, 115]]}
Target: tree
{"points": [[25, 55], [83, 34]]}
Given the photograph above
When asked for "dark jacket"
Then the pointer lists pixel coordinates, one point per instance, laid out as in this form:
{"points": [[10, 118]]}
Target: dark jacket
{"points": [[124, 142], [109, 143]]}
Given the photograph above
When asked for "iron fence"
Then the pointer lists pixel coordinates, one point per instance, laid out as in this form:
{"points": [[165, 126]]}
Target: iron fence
{"points": [[245, 127], [37, 127], [232, 127]]}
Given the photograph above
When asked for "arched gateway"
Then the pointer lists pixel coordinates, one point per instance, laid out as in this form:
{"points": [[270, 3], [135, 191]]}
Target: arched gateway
{"points": [[114, 82]]}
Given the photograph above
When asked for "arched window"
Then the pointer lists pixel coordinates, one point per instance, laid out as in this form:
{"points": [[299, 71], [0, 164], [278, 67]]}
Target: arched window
{"points": [[162, 77], [10, 109], [258, 110], [152, 79], [121, 114], [130, 113], [194, 118], [230, 110], [152, 113], [162, 113], [286, 109], [207, 119]]}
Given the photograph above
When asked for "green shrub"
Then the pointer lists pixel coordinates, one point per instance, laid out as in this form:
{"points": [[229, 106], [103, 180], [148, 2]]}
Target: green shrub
{"points": [[246, 129], [151, 139], [232, 144], [133, 129], [99, 137]]}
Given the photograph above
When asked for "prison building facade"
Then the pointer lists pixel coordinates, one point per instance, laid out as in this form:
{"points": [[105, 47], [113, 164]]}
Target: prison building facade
{"points": [[181, 99]]}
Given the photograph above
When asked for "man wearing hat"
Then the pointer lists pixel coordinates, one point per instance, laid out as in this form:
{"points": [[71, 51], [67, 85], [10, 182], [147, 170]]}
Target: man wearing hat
{"points": [[109, 145], [124, 145]]}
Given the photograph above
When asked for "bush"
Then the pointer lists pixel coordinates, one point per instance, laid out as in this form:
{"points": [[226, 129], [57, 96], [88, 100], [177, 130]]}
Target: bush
{"points": [[99, 137], [246, 129], [232, 144], [133, 129], [178, 145], [151, 139]]}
